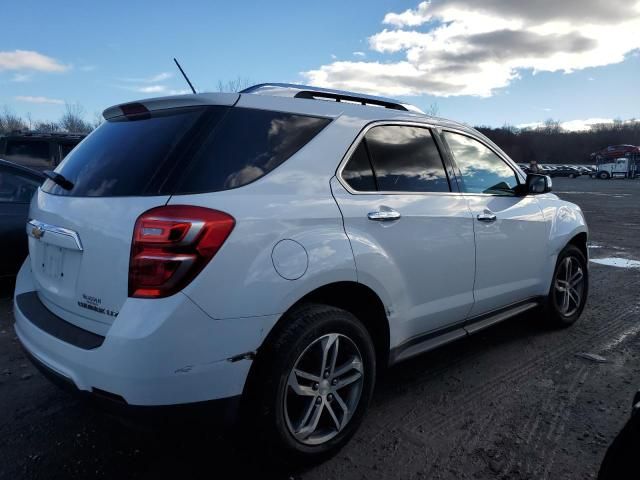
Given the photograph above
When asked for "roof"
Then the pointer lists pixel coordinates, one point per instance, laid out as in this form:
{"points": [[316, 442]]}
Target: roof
{"points": [[50, 135], [309, 92]]}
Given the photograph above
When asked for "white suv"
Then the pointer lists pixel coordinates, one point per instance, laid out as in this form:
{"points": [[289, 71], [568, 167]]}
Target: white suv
{"points": [[271, 251]]}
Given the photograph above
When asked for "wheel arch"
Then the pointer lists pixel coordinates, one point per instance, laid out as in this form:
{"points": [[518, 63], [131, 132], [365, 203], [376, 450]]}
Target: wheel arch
{"points": [[354, 297], [580, 241]]}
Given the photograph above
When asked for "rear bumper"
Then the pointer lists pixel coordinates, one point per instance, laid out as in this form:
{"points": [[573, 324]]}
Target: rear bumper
{"points": [[221, 412], [163, 353]]}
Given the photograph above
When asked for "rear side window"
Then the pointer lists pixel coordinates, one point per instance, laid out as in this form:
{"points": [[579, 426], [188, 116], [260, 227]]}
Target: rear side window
{"points": [[32, 153], [402, 159], [246, 145], [187, 150]]}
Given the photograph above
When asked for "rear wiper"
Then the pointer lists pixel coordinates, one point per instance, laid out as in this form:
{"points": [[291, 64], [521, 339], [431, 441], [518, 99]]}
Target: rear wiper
{"points": [[58, 179]]}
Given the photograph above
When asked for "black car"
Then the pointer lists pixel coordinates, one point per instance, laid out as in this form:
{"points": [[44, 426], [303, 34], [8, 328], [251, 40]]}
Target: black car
{"points": [[621, 461], [17, 186], [38, 150], [564, 171]]}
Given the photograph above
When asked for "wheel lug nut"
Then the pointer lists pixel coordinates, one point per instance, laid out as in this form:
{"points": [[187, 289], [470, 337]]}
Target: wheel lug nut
{"points": [[334, 382], [326, 374], [316, 386], [330, 397], [318, 401]]}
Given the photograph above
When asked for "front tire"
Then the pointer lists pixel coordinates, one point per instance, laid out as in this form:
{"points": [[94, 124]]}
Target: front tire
{"points": [[603, 175], [569, 288], [312, 385]]}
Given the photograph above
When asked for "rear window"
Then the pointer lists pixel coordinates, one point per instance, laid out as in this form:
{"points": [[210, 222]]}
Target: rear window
{"points": [[32, 153], [188, 150]]}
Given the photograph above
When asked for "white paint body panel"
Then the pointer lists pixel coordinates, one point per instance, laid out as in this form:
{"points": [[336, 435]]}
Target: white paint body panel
{"points": [[291, 237]]}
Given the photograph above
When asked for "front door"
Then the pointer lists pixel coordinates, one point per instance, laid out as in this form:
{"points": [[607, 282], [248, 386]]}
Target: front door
{"points": [[510, 230]]}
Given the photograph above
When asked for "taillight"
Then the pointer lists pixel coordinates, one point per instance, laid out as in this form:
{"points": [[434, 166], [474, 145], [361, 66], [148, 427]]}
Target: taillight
{"points": [[171, 245]]}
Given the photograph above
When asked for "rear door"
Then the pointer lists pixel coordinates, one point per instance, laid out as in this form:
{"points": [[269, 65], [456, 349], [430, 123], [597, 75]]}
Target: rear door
{"points": [[412, 236], [510, 230]]}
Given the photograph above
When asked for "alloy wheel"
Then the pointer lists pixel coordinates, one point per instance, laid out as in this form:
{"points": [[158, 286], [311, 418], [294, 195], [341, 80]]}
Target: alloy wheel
{"points": [[323, 389], [569, 286]]}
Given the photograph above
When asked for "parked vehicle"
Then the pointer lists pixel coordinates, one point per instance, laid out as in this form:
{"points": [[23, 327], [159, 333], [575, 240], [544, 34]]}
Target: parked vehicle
{"points": [[615, 151], [627, 167], [270, 251], [621, 459], [564, 171], [17, 186], [38, 150]]}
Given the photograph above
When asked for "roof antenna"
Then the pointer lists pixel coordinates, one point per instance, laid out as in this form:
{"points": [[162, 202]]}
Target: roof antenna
{"points": [[185, 76]]}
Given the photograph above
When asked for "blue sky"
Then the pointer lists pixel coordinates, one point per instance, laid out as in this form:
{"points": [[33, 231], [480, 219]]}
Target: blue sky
{"points": [[111, 52]]}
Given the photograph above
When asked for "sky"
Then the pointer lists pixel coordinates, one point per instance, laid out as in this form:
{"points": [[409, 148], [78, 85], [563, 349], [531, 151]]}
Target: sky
{"points": [[482, 62]]}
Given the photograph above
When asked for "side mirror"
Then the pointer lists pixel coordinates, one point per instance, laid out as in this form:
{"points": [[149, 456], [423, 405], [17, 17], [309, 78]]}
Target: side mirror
{"points": [[537, 183]]}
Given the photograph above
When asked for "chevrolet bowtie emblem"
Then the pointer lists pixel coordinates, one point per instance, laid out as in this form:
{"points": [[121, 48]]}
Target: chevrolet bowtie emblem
{"points": [[37, 232]]}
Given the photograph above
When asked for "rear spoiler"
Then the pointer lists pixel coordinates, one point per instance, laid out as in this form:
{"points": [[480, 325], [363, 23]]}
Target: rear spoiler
{"points": [[176, 101]]}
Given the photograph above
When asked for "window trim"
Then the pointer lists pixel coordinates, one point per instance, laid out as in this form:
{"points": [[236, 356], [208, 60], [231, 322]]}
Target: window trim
{"points": [[433, 130], [510, 163]]}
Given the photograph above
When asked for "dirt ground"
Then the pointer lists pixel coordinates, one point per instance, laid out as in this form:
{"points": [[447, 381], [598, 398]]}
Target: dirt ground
{"points": [[512, 402]]}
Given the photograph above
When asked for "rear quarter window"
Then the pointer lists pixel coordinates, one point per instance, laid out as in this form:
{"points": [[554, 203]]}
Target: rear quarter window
{"points": [[246, 145]]}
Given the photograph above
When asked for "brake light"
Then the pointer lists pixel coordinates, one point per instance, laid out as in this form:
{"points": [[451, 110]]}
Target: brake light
{"points": [[171, 245]]}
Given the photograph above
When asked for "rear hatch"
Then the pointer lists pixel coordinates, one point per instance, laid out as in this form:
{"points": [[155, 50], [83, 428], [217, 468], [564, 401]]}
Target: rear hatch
{"points": [[81, 228]]}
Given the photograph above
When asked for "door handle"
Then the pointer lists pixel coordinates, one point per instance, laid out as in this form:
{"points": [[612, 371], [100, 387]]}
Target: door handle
{"points": [[384, 215], [487, 217]]}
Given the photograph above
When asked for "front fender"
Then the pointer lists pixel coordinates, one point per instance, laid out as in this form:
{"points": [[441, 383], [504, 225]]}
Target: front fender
{"points": [[564, 221]]}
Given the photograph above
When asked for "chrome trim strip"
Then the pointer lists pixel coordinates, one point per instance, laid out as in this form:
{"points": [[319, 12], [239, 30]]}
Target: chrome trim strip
{"points": [[47, 228]]}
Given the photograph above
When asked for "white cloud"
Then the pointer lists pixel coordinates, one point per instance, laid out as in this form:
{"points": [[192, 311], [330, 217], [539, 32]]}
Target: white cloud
{"points": [[573, 125], [29, 60], [473, 47], [21, 77], [42, 100], [151, 89], [159, 77], [359, 54]]}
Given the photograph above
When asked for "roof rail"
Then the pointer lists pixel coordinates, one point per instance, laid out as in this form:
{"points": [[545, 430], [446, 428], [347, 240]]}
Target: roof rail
{"points": [[313, 93]]}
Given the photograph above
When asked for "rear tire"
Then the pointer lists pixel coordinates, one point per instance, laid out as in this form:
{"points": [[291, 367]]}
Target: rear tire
{"points": [[569, 288], [311, 386]]}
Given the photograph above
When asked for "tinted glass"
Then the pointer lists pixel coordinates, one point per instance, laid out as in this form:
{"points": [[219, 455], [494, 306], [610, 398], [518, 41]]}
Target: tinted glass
{"points": [[245, 145], [406, 159], [30, 153], [482, 171], [16, 188], [122, 157], [357, 172]]}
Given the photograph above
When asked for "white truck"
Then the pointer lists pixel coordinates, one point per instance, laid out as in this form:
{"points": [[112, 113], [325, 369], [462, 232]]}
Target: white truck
{"points": [[625, 167]]}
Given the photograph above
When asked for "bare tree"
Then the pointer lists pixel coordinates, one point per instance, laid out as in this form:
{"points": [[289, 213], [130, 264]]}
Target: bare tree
{"points": [[73, 119], [47, 127], [433, 110], [233, 85], [10, 122]]}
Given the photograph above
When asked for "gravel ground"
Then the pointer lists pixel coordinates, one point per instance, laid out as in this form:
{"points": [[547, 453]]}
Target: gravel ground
{"points": [[512, 402]]}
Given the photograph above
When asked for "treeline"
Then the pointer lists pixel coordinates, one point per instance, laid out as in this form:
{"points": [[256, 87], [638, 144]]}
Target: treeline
{"points": [[72, 120], [548, 143], [551, 144]]}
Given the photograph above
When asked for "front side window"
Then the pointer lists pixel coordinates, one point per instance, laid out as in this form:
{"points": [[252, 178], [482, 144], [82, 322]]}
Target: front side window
{"points": [[15, 188], [397, 158], [481, 170]]}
